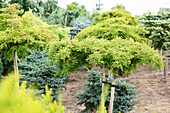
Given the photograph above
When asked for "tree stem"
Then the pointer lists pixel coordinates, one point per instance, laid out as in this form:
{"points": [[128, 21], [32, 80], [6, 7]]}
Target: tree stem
{"points": [[16, 70]]}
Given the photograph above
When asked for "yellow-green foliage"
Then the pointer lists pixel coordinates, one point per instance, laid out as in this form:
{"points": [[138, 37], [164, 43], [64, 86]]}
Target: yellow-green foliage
{"points": [[21, 101], [117, 14], [61, 33], [28, 31], [114, 24], [115, 54]]}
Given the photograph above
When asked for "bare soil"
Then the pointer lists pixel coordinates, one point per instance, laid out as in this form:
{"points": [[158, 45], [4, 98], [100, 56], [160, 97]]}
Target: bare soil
{"points": [[153, 90]]}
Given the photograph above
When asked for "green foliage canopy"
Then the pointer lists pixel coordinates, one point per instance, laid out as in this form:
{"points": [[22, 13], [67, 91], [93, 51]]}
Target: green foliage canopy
{"points": [[28, 31], [114, 24], [115, 54]]}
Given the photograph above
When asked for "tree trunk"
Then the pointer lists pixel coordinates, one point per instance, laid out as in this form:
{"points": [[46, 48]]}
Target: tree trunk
{"points": [[160, 52], [16, 70], [66, 19], [102, 94], [166, 67]]}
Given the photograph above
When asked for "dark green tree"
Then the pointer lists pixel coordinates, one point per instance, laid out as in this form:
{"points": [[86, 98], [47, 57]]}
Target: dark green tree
{"points": [[74, 11], [23, 4], [91, 98], [2, 4], [158, 27], [38, 72]]}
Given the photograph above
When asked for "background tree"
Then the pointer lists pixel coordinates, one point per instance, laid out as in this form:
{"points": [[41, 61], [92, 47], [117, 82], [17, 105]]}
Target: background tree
{"points": [[74, 11], [2, 3], [158, 27], [24, 4], [120, 7], [113, 24]]}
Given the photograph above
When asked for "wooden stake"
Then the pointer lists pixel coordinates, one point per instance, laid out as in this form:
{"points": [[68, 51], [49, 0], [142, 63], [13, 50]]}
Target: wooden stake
{"points": [[112, 98], [102, 94], [166, 67], [16, 70]]}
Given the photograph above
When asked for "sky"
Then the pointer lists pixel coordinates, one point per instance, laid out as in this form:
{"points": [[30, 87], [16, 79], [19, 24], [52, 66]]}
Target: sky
{"points": [[135, 7]]}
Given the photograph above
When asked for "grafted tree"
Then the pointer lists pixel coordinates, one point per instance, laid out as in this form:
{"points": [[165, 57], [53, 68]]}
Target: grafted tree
{"points": [[110, 54], [21, 33], [112, 24]]}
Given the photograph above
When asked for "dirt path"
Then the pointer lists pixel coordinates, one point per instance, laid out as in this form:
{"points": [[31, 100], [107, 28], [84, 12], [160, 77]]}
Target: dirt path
{"points": [[153, 91]]}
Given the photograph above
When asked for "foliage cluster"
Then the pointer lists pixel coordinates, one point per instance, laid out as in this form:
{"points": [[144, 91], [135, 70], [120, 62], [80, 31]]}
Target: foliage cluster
{"points": [[116, 13], [38, 73], [123, 99], [112, 24], [114, 54], [158, 27], [22, 101], [20, 33]]}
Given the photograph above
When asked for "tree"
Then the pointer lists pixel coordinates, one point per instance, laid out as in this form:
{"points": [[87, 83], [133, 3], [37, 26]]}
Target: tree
{"points": [[113, 24], [120, 7], [2, 3], [21, 33], [24, 4], [37, 72], [158, 27], [124, 94], [112, 55], [74, 11]]}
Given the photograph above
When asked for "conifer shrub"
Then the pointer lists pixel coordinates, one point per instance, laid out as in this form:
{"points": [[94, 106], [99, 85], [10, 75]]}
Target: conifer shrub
{"points": [[123, 100], [38, 72]]}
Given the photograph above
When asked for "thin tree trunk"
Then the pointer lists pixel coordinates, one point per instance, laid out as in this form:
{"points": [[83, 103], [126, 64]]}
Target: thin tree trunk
{"points": [[102, 94], [16, 70], [109, 74], [160, 52], [66, 19]]}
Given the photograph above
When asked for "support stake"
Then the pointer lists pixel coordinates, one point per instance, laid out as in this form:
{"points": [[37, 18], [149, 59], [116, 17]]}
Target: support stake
{"points": [[112, 98], [102, 94]]}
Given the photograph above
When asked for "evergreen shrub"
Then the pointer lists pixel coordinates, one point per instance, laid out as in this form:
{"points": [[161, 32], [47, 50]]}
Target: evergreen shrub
{"points": [[123, 99], [38, 73]]}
